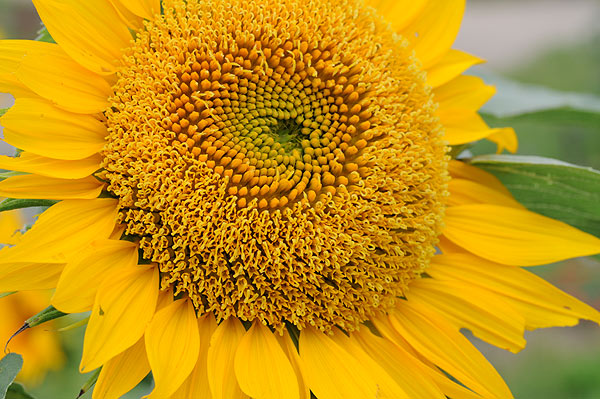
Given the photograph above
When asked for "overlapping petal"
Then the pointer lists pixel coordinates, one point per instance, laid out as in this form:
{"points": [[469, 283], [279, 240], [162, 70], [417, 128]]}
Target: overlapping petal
{"points": [[89, 31], [262, 368], [78, 284], [172, 344], [49, 167], [124, 305], [37, 126], [514, 236]]}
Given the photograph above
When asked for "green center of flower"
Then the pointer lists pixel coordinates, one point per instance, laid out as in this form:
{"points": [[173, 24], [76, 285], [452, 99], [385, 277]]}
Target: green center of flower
{"points": [[279, 162]]}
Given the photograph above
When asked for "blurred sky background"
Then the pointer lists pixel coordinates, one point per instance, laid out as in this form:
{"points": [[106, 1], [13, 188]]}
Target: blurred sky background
{"points": [[543, 42]]}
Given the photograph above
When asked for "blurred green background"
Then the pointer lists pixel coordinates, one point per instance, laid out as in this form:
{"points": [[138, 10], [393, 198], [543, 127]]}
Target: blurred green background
{"points": [[550, 43]]}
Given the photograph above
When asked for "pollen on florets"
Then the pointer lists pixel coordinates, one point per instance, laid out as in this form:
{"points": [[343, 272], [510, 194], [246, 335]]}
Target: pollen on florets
{"points": [[279, 161]]}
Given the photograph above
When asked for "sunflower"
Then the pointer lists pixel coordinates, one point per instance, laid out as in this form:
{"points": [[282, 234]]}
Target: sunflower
{"points": [[256, 199], [40, 348]]}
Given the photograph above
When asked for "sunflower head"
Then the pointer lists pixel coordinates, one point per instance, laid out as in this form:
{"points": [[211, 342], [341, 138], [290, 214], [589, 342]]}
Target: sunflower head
{"points": [[279, 161]]}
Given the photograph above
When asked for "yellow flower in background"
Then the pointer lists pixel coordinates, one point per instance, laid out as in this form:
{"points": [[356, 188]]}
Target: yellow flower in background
{"points": [[40, 348], [256, 199]]}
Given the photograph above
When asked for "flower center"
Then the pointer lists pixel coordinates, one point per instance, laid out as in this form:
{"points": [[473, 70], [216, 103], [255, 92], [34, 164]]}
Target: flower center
{"points": [[278, 161]]}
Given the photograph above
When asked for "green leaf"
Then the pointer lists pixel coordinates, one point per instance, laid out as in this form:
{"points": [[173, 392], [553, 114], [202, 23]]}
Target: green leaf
{"points": [[90, 382], [16, 391], [10, 365], [3, 111], [16, 203], [514, 99], [5, 294], [556, 189], [50, 313], [44, 35]]}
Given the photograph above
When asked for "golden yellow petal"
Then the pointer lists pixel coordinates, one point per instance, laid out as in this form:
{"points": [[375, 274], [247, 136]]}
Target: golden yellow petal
{"points": [[463, 93], [450, 66], [505, 138], [221, 354], [89, 31], [10, 222], [463, 192], [433, 31], [262, 368], [287, 344], [398, 13], [330, 371], [144, 8], [36, 126], [123, 307], [123, 372], [542, 304], [63, 230], [78, 284], [515, 236], [459, 169], [435, 339], [52, 74], [487, 315], [24, 276], [399, 364], [387, 387], [42, 187], [132, 21], [173, 344], [32, 163], [196, 385]]}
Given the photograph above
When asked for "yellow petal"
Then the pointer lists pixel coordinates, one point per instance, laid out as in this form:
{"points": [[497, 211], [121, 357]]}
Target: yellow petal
{"points": [[196, 385], [124, 305], [221, 354], [447, 246], [49, 72], [64, 229], [387, 387], [32, 163], [487, 315], [400, 365], [398, 13], [514, 236], [505, 138], [432, 336], [133, 22], [459, 169], [433, 31], [450, 388], [463, 126], [463, 93], [262, 368], [542, 304], [12, 53], [292, 353], [78, 284], [89, 31], [463, 192], [144, 8], [10, 84], [41, 187], [450, 66], [330, 371], [35, 125], [123, 372], [24, 276], [173, 344], [10, 222]]}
